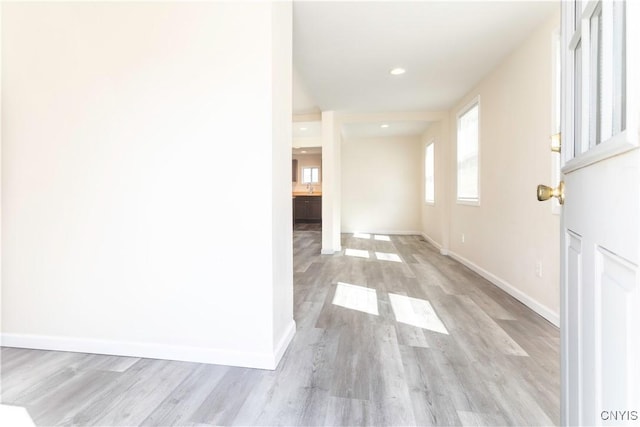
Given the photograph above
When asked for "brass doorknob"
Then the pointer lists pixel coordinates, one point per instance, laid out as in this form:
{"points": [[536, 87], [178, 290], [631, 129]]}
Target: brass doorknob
{"points": [[545, 193]]}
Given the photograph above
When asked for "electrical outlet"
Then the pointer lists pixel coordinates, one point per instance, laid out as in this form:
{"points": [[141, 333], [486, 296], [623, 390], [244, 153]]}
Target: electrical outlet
{"points": [[462, 237], [539, 269]]}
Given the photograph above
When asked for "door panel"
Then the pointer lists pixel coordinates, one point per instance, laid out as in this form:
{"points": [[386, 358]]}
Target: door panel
{"points": [[617, 286], [602, 327], [600, 218], [573, 370]]}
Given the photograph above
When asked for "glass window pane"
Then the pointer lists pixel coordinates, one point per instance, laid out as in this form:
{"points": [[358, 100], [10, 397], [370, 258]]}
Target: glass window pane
{"points": [[557, 83], [429, 174], [619, 67], [467, 155], [310, 175], [577, 100], [595, 77]]}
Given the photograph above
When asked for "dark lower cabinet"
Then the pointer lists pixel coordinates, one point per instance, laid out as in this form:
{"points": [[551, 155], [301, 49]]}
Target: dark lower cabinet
{"points": [[308, 209]]}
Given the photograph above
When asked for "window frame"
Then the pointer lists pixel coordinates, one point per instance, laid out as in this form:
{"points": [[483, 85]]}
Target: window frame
{"points": [[430, 144], [302, 168], [468, 107], [614, 138]]}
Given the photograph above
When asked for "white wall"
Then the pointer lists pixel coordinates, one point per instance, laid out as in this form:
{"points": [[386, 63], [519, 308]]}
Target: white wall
{"points": [[281, 211], [307, 142], [381, 185], [1, 172], [303, 102], [331, 189], [510, 231], [123, 124]]}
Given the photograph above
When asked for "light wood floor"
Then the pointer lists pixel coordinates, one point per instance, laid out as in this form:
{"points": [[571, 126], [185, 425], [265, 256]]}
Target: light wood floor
{"points": [[477, 356]]}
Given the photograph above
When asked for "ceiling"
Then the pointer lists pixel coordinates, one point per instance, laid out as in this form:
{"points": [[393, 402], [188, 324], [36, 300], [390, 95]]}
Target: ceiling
{"points": [[343, 51], [307, 129], [308, 134], [375, 129], [308, 151]]}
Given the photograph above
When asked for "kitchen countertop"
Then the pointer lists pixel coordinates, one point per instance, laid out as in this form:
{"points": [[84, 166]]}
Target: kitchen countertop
{"points": [[304, 193]]}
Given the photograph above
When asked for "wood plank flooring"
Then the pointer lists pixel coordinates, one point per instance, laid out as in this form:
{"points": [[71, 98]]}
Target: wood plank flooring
{"points": [[494, 363]]}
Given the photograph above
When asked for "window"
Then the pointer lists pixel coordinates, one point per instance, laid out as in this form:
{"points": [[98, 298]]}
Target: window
{"points": [[468, 154], [429, 174], [596, 77], [310, 175]]}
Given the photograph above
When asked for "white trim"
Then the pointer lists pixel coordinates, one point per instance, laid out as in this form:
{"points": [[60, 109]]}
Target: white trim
{"points": [[283, 343], [182, 353], [431, 241], [443, 251], [393, 233], [536, 306], [430, 143], [618, 144], [329, 251], [556, 112], [300, 170], [467, 201], [468, 106]]}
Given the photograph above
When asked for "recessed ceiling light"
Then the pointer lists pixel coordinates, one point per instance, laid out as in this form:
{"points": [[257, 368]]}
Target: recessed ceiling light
{"points": [[304, 151], [303, 129], [397, 71], [384, 126]]}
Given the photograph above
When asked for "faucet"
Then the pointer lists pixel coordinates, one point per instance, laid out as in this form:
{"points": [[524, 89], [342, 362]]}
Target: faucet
{"points": [[310, 188]]}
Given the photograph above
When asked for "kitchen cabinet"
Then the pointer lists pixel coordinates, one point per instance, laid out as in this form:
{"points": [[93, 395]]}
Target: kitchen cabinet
{"points": [[308, 208], [294, 170]]}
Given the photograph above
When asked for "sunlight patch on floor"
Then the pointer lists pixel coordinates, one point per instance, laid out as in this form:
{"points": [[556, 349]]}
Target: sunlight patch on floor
{"points": [[416, 312], [384, 256], [382, 238], [357, 253], [362, 235], [356, 298], [15, 416]]}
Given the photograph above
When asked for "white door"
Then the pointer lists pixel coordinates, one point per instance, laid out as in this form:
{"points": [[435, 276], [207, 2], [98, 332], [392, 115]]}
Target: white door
{"points": [[600, 322]]}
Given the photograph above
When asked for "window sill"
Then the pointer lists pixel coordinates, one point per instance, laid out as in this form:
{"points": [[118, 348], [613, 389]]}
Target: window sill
{"points": [[468, 202]]}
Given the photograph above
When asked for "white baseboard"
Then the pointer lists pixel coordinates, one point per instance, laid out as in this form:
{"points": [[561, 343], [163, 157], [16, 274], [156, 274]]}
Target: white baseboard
{"points": [[393, 233], [154, 351], [534, 305], [329, 251], [443, 251], [432, 242], [283, 343]]}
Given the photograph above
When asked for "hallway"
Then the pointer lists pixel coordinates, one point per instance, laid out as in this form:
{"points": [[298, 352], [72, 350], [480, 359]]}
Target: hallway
{"points": [[498, 364], [460, 352]]}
